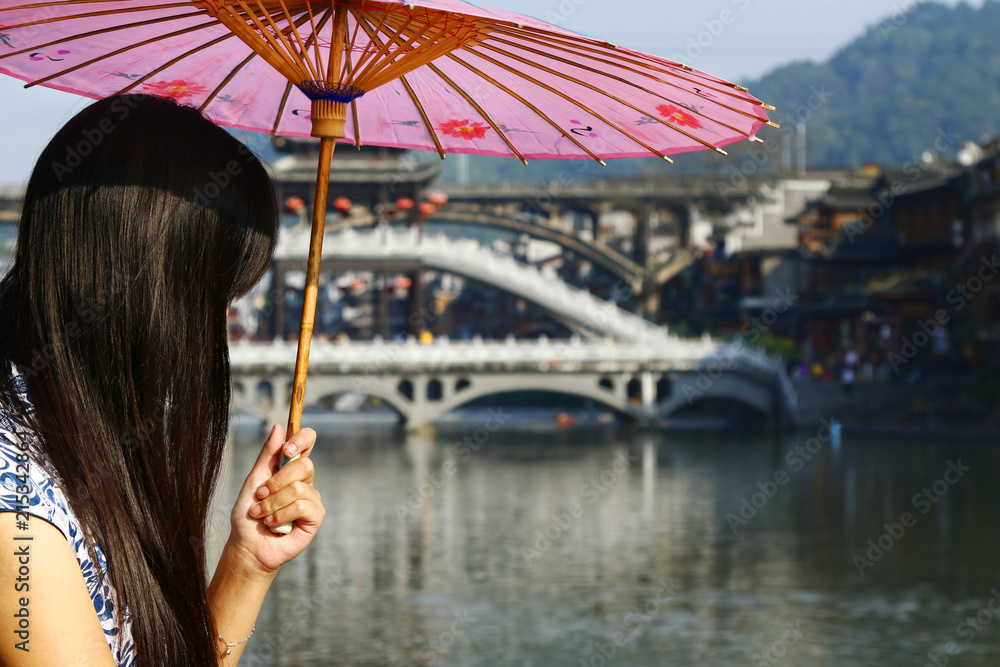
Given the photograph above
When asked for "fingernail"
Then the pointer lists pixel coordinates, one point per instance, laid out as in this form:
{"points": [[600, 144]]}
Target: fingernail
{"points": [[256, 510], [263, 492], [269, 518], [290, 449]]}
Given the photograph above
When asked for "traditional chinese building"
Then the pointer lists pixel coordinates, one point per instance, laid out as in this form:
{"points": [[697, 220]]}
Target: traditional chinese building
{"points": [[367, 176]]}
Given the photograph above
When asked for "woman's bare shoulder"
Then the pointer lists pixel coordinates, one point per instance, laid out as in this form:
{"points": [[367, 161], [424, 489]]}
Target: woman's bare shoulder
{"points": [[47, 616]]}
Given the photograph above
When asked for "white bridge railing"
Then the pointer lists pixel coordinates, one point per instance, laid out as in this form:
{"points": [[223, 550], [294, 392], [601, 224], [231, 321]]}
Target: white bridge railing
{"points": [[385, 356]]}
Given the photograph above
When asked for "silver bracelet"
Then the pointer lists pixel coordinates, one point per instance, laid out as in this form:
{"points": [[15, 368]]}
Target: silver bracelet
{"points": [[229, 647]]}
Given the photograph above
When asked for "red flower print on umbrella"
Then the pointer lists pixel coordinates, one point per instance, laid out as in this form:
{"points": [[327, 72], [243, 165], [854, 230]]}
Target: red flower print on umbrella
{"points": [[176, 89], [675, 115], [464, 129]]}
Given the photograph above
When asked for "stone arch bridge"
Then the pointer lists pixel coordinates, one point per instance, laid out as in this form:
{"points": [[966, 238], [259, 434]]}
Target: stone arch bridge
{"points": [[644, 382]]}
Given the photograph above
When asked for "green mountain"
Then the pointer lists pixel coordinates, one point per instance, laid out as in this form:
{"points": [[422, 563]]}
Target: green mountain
{"points": [[898, 90], [924, 79]]}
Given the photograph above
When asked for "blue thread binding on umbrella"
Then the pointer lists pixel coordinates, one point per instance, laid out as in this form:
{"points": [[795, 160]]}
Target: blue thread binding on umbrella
{"points": [[333, 92]]}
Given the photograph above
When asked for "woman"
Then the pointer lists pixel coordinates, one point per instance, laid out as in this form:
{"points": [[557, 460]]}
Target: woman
{"points": [[142, 221]]}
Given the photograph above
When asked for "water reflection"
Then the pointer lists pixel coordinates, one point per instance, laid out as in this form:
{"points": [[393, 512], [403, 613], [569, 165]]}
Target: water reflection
{"points": [[594, 547]]}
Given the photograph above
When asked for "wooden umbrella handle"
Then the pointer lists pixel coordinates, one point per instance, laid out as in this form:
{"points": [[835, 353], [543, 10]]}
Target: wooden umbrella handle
{"points": [[326, 147]]}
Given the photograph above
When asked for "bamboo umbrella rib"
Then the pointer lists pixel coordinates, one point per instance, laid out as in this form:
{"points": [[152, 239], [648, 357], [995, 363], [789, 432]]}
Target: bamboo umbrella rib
{"points": [[281, 109], [174, 61], [434, 43], [630, 69], [423, 114], [394, 38], [354, 105], [225, 82], [426, 55], [357, 27], [587, 44], [478, 108], [575, 102], [41, 5], [568, 135], [111, 54], [361, 21], [312, 39], [601, 92], [298, 38], [312, 25], [261, 42], [610, 76], [102, 31], [624, 58], [617, 64], [241, 26], [105, 12], [281, 37]]}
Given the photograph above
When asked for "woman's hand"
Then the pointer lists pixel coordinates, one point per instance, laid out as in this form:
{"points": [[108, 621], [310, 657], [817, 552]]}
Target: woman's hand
{"points": [[270, 498]]}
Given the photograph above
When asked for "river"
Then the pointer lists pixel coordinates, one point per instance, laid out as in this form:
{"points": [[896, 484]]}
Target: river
{"points": [[496, 542]]}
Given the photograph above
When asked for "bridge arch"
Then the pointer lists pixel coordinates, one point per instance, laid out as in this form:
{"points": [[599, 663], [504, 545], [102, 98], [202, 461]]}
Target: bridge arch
{"points": [[384, 388], [730, 386], [609, 259], [556, 384], [578, 309]]}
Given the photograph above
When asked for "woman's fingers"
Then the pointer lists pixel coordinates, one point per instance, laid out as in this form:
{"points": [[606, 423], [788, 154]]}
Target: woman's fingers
{"points": [[288, 495], [301, 444], [271, 447], [301, 510], [302, 470]]}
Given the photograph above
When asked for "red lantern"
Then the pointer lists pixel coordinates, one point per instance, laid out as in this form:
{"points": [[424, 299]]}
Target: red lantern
{"points": [[295, 205], [439, 199], [342, 204], [427, 208], [404, 204]]}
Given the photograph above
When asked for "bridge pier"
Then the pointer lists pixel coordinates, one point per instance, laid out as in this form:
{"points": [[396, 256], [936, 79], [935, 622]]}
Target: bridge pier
{"points": [[640, 242]]}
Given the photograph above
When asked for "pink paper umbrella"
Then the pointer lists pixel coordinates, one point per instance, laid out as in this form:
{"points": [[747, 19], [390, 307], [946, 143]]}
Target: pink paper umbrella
{"points": [[439, 75]]}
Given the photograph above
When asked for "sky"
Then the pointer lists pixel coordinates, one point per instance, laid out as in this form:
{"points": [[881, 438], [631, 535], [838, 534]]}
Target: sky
{"points": [[739, 40]]}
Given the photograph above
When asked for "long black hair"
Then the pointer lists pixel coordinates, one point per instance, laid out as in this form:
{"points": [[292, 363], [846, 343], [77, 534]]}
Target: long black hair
{"points": [[142, 221]]}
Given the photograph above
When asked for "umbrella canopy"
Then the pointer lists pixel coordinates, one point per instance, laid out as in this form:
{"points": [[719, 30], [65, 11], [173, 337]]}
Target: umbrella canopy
{"points": [[438, 75]]}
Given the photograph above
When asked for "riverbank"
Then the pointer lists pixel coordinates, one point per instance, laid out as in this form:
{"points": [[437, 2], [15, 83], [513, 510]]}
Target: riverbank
{"points": [[935, 408]]}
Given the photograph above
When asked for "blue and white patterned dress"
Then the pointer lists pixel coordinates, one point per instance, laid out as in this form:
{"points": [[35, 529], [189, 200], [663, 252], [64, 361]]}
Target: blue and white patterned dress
{"points": [[46, 502]]}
